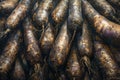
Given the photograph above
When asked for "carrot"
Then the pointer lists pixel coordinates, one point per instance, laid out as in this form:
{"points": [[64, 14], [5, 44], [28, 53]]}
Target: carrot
{"points": [[47, 39], [36, 73], [18, 72], [74, 69], [60, 12], [33, 53], [85, 41], [7, 6], [75, 15], [17, 15], [41, 15], [84, 45], [105, 9], [106, 29], [59, 51], [9, 53], [105, 61]]}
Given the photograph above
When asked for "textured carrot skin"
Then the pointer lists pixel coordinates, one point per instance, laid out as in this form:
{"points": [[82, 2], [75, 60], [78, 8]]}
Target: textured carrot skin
{"points": [[9, 53], [108, 30], [106, 62], [47, 39], [7, 6], [104, 8], [74, 68], [60, 12], [18, 14], [41, 15], [18, 71], [59, 51], [33, 53], [85, 42], [75, 18]]}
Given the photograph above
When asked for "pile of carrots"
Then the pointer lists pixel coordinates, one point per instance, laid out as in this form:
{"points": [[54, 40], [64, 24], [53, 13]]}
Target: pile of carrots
{"points": [[59, 39]]}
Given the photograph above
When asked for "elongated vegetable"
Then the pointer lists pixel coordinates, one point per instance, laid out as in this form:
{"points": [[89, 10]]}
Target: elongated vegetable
{"points": [[108, 30], [59, 51], [60, 12], [85, 41], [85, 46], [7, 6], [106, 61], [75, 70], [36, 73], [18, 72], [105, 9], [47, 39], [9, 53], [33, 53], [41, 15], [75, 15], [17, 15]]}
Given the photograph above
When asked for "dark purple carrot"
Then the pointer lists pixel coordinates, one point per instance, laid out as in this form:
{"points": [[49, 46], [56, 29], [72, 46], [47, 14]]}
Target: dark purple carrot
{"points": [[17, 15], [33, 53], [18, 71], [85, 41], [7, 6], [84, 44], [47, 39], [9, 53], [105, 61], [60, 12], [106, 29], [105, 9], [75, 15], [75, 69], [41, 15], [36, 73], [59, 51]]}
